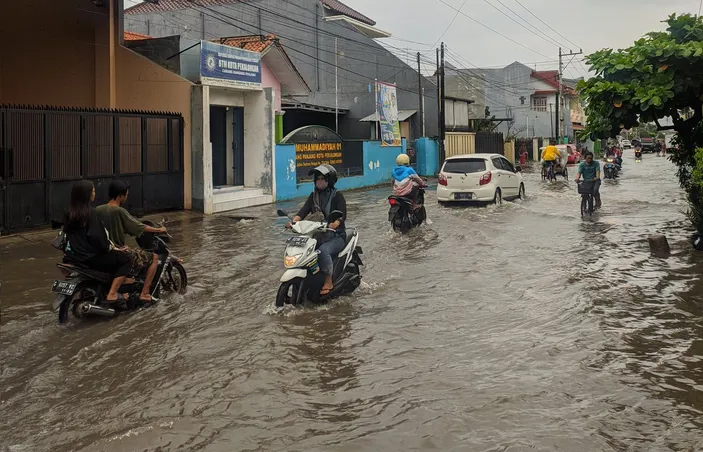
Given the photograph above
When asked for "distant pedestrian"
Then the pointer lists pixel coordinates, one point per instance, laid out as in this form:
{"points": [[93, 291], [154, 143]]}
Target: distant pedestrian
{"points": [[523, 154]]}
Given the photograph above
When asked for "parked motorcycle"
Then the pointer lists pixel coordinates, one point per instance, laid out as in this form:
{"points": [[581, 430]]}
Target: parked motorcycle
{"points": [[402, 214], [83, 291], [303, 278]]}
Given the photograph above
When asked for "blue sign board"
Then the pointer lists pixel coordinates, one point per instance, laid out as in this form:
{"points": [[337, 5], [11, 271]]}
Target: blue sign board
{"points": [[226, 66]]}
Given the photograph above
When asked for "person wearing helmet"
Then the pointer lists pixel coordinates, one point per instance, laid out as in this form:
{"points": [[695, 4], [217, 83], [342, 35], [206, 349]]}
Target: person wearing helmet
{"points": [[405, 179], [322, 201]]}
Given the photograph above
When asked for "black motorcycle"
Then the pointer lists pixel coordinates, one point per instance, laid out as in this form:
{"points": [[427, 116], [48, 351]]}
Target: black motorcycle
{"points": [[402, 214], [83, 291]]}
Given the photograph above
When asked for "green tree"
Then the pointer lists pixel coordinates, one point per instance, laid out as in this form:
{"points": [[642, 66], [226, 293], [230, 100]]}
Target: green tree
{"points": [[660, 76]]}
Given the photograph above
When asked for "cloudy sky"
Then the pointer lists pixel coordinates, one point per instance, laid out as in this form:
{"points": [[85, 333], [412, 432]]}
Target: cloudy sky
{"points": [[589, 24]]}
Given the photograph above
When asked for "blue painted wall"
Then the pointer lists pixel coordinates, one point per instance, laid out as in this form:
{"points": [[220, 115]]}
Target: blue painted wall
{"points": [[427, 156], [379, 162]]}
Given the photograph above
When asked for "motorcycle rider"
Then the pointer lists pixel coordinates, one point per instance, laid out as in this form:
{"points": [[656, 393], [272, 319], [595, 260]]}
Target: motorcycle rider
{"points": [[405, 180], [322, 201], [119, 223], [590, 170], [88, 243]]}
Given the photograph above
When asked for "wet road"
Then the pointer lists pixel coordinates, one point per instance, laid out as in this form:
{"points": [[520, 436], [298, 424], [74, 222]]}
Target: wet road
{"points": [[500, 329]]}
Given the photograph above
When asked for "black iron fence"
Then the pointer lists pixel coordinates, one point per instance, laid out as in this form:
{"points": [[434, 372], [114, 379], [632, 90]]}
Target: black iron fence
{"points": [[44, 150]]}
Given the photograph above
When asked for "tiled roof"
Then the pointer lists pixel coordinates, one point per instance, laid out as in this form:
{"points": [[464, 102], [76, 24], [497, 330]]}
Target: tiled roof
{"points": [[341, 8], [171, 5], [551, 78], [253, 43], [132, 36]]}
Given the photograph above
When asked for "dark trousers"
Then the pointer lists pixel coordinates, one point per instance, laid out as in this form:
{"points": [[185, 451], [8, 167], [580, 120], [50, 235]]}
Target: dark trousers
{"points": [[116, 263]]}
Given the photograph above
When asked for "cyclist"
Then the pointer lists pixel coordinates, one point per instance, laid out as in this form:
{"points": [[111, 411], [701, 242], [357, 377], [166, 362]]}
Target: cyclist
{"points": [[590, 170], [550, 155]]}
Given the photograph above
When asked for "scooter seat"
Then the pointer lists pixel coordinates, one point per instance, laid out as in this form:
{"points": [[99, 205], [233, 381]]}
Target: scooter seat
{"points": [[100, 276]]}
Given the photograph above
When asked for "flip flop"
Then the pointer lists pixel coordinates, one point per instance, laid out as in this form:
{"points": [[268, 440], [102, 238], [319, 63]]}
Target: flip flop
{"points": [[324, 292]]}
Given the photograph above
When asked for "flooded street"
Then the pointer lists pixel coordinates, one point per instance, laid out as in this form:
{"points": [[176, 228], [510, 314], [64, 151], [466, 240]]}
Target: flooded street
{"points": [[492, 329]]}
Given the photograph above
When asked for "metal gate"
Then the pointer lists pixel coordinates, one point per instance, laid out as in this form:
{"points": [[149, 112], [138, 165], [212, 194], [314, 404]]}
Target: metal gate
{"points": [[45, 150]]}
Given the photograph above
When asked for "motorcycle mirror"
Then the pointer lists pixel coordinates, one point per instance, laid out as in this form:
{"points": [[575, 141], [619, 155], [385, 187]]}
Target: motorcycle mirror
{"points": [[334, 216], [281, 213], [518, 169]]}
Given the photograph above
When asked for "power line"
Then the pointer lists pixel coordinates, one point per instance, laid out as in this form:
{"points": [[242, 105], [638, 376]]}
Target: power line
{"points": [[549, 41], [546, 24], [492, 29], [451, 23]]}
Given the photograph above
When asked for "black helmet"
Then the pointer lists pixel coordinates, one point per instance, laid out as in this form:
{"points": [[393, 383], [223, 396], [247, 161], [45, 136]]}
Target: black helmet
{"points": [[328, 172]]}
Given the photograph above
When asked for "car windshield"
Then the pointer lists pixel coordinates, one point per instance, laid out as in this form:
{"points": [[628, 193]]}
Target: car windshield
{"points": [[464, 166]]}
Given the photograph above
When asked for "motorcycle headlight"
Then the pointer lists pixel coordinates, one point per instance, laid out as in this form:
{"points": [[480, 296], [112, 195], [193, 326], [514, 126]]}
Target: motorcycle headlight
{"points": [[289, 261]]}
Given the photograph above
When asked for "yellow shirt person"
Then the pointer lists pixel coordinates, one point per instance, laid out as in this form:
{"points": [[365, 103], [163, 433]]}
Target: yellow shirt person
{"points": [[551, 153]]}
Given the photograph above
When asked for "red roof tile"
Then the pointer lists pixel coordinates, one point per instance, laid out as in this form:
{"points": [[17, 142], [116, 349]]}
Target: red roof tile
{"points": [[336, 5], [171, 5], [253, 43], [551, 77], [132, 36]]}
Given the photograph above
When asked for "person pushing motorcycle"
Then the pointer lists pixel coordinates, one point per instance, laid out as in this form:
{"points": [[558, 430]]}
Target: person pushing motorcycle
{"points": [[590, 171], [322, 201]]}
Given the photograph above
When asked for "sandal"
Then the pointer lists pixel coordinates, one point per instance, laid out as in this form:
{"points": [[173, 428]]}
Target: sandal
{"points": [[325, 292]]}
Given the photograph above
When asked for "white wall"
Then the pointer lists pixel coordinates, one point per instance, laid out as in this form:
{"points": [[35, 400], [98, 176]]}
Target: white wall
{"points": [[259, 139]]}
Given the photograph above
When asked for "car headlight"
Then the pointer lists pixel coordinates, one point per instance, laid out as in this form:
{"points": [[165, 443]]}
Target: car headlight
{"points": [[289, 261]]}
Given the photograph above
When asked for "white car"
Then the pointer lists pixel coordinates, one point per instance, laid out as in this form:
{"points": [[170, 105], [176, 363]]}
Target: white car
{"points": [[479, 178], [626, 144]]}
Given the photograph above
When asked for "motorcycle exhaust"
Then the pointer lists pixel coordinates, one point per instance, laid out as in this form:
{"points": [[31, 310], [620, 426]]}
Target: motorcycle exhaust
{"points": [[91, 309]]}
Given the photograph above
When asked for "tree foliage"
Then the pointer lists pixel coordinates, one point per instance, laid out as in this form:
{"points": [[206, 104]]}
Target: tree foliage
{"points": [[658, 77]]}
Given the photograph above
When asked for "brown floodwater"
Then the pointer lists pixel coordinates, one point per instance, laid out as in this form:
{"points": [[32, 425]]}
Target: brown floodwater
{"points": [[523, 327]]}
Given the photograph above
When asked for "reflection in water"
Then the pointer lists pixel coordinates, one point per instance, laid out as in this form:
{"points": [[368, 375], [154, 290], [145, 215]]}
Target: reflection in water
{"points": [[511, 328]]}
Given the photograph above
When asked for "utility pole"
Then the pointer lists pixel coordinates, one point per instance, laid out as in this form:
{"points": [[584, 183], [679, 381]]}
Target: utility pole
{"points": [[439, 99], [336, 97], [557, 118], [442, 150], [560, 78], [422, 98]]}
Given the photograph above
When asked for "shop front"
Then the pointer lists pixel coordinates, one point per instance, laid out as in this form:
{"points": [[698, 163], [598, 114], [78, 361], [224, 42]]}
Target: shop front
{"points": [[233, 131]]}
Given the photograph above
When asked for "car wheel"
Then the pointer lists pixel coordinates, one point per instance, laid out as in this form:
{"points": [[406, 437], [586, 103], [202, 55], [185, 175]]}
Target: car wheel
{"points": [[521, 193], [498, 197]]}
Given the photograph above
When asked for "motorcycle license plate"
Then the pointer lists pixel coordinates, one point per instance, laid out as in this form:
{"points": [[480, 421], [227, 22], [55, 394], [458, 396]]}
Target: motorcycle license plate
{"points": [[463, 195], [297, 241], [64, 287]]}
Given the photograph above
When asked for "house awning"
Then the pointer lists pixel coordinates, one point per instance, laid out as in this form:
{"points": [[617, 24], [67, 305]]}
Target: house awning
{"points": [[290, 104], [403, 115], [368, 30], [579, 127]]}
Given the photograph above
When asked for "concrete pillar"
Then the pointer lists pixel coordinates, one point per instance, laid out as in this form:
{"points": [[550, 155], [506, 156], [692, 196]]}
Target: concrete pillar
{"points": [[106, 40]]}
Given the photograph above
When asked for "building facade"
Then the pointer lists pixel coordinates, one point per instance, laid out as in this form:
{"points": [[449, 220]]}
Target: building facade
{"points": [[523, 100], [75, 104], [333, 46]]}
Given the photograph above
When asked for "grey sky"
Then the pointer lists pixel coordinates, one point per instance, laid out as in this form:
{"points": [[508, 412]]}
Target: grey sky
{"points": [[592, 24]]}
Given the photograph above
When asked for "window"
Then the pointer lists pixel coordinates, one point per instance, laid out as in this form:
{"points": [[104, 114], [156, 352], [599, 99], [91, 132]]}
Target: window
{"points": [[539, 103], [464, 166], [507, 166], [498, 163]]}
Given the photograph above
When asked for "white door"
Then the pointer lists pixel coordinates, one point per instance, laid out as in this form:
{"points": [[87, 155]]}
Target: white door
{"points": [[514, 179], [503, 177]]}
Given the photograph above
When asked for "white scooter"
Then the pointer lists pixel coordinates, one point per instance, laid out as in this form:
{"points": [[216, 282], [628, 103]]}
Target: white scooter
{"points": [[303, 278]]}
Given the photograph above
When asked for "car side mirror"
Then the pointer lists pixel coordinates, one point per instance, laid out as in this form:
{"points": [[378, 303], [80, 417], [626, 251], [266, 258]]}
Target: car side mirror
{"points": [[334, 216], [281, 213]]}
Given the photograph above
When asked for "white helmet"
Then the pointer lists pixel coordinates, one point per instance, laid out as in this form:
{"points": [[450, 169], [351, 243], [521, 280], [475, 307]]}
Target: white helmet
{"points": [[402, 159]]}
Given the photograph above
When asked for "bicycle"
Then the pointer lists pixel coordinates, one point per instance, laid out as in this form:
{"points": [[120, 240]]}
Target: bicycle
{"points": [[548, 173], [585, 189]]}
